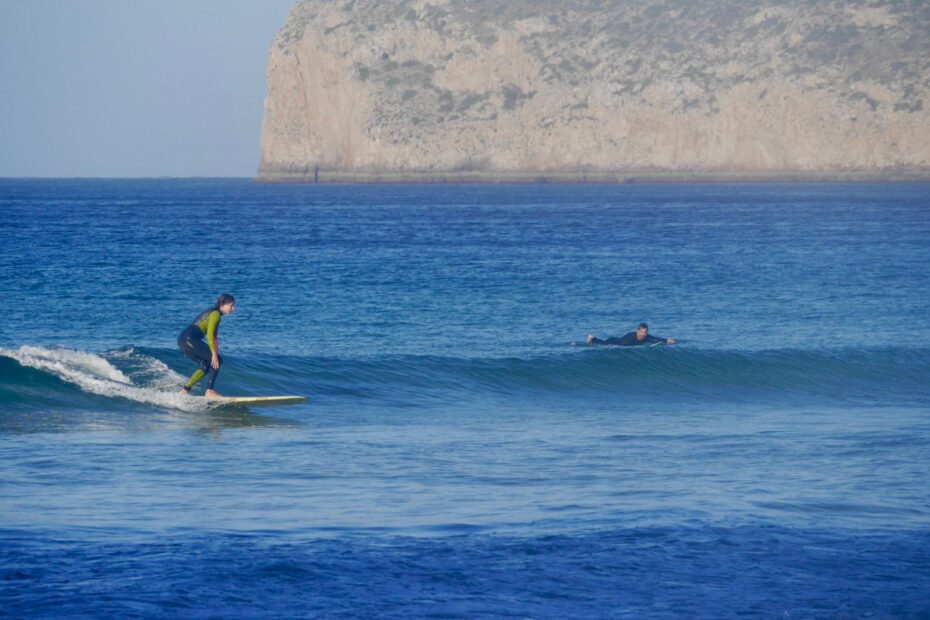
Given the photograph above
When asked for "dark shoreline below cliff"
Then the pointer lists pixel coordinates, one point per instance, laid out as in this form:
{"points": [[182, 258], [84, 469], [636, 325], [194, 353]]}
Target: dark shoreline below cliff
{"points": [[608, 177]]}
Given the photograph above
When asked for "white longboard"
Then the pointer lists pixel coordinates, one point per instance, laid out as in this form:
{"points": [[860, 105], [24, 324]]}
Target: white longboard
{"points": [[257, 401]]}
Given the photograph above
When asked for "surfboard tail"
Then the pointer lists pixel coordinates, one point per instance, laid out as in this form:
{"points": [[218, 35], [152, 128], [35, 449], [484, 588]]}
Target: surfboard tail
{"points": [[259, 401]]}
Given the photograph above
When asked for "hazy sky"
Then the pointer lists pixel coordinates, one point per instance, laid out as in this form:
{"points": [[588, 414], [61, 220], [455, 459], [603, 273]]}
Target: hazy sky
{"points": [[116, 88]]}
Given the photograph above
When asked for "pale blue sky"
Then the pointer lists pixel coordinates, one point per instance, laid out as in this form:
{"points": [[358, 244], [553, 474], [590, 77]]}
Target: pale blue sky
{"points": [[133, 88]]}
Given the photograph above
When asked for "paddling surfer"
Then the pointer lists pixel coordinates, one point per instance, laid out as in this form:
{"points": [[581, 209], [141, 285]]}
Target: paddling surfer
{"points": [[632, 339], [206, 354]]}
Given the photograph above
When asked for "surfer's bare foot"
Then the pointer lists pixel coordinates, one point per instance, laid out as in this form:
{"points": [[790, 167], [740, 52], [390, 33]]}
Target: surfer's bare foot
{"points": [[212, 394]]}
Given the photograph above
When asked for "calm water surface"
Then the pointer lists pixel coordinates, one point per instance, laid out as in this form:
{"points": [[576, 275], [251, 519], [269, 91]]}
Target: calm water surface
{"points": [[462, 453]]}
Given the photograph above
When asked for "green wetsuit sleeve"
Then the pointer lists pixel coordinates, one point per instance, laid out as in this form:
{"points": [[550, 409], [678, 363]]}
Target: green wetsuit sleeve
{"points": [[212, 322]]}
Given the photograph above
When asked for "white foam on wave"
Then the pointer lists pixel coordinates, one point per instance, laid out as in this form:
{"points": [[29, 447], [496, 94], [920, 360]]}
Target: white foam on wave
{"points": [[94, 374], [152, 371]]}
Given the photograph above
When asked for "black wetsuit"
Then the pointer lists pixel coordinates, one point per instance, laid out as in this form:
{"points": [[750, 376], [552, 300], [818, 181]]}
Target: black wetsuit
{"points": [[206, 325], [629, 340]]}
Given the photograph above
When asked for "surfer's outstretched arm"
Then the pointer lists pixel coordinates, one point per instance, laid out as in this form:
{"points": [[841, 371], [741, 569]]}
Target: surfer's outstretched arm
{"points": [[613, 340]]}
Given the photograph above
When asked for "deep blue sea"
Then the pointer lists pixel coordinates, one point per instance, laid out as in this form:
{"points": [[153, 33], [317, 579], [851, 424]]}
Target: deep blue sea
{"points": [[463, 454]]}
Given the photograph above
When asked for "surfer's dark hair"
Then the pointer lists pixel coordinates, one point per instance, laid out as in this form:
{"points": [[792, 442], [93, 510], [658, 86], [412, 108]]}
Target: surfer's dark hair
{"points": [[224, 299], [642, 326]]}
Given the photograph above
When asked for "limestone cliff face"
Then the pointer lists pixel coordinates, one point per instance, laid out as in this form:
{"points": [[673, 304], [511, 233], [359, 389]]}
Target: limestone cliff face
{"points": [[598, 90]]}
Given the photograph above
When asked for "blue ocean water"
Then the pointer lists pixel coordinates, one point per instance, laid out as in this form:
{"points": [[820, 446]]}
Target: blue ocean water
{"points": [[463, 454]]}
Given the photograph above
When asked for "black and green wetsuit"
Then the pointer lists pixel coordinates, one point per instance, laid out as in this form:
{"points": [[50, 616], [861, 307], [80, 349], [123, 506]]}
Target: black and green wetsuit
{"points": [[206, 325]]}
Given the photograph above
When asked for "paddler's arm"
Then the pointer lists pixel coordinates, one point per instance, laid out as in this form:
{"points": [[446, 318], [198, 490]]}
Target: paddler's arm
{"points": [[653, 339], [212, 341]]}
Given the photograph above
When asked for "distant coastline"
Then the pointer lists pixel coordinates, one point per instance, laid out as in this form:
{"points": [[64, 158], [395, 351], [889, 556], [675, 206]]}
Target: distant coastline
{"points": [[522, 91]]}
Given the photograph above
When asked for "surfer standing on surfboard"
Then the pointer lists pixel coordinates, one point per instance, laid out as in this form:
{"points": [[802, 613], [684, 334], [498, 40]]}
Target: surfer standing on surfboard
{"points": [[207, 354], [632, 339]]}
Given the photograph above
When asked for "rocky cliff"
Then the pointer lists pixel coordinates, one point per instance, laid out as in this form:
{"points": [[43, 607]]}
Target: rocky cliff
{"points": [[611, 90]]}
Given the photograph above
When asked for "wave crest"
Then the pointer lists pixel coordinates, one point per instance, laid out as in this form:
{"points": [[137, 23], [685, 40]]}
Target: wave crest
{"points": [[148, 380], [862, 376]]}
